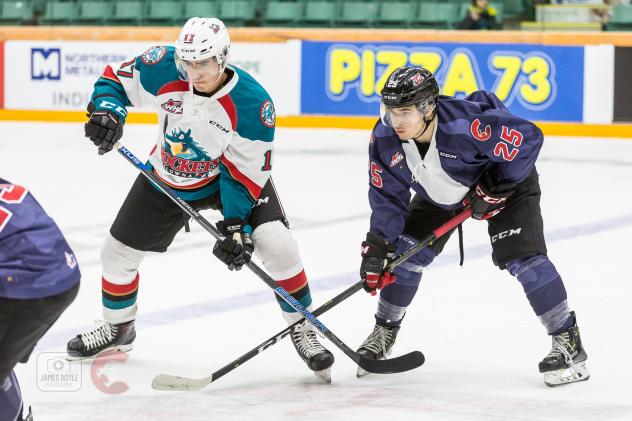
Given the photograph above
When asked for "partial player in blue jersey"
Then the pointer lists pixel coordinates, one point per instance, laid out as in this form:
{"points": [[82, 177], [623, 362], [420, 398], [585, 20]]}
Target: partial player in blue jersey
{"points": [[215, 148], [39, 278], [453, 153]]}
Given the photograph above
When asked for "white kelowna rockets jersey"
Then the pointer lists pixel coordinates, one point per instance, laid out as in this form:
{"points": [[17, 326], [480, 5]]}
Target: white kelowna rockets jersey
{"points": [[223, 142]]}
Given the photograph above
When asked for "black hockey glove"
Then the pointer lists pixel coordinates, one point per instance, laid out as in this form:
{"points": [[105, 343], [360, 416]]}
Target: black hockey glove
{"points": [[236, 248], [104, 128], [488, 197], [375, 256]]}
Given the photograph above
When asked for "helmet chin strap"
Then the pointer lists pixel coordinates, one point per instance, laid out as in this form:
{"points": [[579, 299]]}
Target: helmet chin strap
{"points": [[426, 125]]}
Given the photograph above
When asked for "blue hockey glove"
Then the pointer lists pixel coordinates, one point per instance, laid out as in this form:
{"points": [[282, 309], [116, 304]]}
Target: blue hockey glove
{"points": [[235, 250]]}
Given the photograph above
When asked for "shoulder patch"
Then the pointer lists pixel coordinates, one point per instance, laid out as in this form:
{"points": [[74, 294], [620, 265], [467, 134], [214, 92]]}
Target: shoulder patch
{"points": [[153, 55], [478, 134], [267, 114]]}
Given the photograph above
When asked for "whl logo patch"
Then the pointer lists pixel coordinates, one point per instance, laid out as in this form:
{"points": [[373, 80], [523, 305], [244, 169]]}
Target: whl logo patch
{"points": [[396, 159], [172, 106]]}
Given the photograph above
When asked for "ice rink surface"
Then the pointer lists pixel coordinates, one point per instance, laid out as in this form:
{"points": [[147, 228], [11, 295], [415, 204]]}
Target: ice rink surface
{"points": [[481, 339]]}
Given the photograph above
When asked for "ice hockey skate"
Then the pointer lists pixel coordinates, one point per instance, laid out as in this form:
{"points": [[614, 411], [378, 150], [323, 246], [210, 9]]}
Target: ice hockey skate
{"points": [[566, 362], [105, 338], [378, 345], [316, 356]]}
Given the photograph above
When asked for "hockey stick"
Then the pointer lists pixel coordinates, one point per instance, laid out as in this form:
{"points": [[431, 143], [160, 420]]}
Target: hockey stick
{"points": [[399, 364], [169, 382]]}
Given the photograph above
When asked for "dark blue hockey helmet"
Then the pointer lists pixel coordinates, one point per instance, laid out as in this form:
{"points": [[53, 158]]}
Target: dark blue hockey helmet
{"points": [[410, 85]]}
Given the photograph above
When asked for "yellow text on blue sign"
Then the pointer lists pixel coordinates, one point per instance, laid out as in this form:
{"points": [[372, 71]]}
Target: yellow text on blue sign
{"points": [[509, 74]]}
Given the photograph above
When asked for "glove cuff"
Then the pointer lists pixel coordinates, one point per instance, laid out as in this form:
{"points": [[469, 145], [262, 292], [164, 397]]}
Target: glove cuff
{"points": [[492, 185], [230, 226], [376, 243]]}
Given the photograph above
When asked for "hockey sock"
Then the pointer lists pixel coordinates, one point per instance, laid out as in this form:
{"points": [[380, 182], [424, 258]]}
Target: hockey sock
{"points": [[119, 301], [545, 291], [396, 297], [119, 282], [298, 288]]}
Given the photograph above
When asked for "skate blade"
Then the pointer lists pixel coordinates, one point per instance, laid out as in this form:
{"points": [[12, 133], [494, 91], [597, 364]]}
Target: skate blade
{"points": [[361, 372], [324, 375], [578, 373], [118, 348]]}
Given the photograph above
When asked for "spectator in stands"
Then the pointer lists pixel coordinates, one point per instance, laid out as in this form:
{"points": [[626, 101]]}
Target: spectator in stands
{"points": [[480, 15]]}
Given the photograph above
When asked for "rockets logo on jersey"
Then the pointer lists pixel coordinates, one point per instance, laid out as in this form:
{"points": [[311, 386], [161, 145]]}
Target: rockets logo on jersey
{"points": [[182, 156], [267, 114], [153, 55], [475, 130], [172, 106]]}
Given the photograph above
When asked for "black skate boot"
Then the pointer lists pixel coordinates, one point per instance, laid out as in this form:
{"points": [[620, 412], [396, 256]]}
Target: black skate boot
{"points": [[317, 358], [378, 345], [566, 361], [107, 337]]}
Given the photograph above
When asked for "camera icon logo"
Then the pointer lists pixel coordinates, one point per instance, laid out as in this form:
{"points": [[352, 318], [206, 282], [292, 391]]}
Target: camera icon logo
{"points": [[56, 374]]}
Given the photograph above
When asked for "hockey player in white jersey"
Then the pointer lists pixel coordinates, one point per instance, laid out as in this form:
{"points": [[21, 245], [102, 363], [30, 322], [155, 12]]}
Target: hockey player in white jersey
{"points": [[215, 148]]}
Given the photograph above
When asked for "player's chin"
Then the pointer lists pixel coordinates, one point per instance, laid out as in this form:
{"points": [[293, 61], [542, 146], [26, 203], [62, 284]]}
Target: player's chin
{"points": [[202, 86]]}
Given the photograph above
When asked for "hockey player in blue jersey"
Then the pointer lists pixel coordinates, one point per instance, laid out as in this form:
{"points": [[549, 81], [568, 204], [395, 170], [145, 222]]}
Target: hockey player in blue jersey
{"points": [[215, 148], [39, 278], [452, 153]]}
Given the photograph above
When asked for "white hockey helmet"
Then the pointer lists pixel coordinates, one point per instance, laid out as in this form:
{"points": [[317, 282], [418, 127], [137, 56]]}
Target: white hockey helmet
{"points": [[202, 39]]}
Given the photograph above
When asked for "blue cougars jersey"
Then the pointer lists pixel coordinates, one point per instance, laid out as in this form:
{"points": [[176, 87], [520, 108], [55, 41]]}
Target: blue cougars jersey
{"points": [[472, 135], [35, 260]]}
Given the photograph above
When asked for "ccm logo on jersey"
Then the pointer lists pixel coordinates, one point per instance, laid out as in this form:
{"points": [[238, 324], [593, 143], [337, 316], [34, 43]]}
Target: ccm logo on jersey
{"points": [[447, 155], [172, 106], [396, 158], [219, 126], [506, 234]]}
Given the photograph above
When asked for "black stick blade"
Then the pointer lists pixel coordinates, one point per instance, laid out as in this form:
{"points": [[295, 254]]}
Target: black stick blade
{"points": [[400, 364]]}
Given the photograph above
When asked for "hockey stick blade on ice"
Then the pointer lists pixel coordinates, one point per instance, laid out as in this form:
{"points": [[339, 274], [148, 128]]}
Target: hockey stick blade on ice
{"points": [[170, 382], [400, 364]]}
